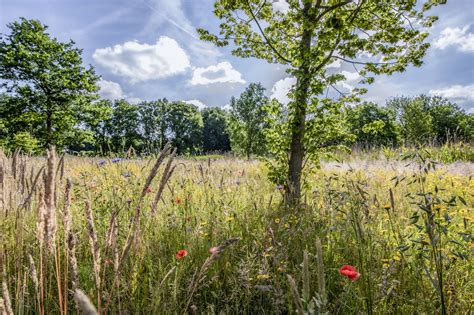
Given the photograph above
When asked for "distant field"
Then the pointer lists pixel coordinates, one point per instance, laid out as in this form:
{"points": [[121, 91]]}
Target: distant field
{"points": [[408, 233]]}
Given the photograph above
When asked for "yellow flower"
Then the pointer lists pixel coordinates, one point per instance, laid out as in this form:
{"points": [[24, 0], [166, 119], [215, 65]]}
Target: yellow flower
{"points": [[277, 221], [397, 257], [231, 218], [387, 206], [263, 277], [287, 226]]}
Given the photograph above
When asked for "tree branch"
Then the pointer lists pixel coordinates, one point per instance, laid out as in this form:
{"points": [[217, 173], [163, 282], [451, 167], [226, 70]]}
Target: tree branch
{"points": [[264, 36]]}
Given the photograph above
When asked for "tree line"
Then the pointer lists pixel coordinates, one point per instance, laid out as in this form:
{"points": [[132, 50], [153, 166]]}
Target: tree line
{"points": [[144, 128]]}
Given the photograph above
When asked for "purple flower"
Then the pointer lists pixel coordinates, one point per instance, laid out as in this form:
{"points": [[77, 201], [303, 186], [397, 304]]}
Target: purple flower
{"points": [[101, 163], [280, 187], [116, 160], [126, 174]]}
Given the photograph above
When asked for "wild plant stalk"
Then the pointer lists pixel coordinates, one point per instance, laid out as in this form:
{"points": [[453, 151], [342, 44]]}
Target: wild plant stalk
{"points": [[34, 279], [6, 295], [84, 303], [321, 277], [199, 278], [306, 277], [295, 295], [164, 179], [133, 231], [94, 244]]}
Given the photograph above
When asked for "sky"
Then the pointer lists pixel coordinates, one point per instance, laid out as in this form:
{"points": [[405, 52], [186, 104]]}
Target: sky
{"points": [[149, 49]]}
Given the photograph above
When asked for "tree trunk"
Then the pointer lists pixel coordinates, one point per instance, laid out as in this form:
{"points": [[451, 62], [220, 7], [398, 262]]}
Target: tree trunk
{"points": [[297, 151]]}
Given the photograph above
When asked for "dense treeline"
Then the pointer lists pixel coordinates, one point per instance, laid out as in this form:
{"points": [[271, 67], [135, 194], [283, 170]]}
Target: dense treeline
{"points": [[145, 127], [49, 97]]}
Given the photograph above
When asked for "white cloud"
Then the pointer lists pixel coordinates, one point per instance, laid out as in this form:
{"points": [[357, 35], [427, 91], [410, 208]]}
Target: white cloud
{"points": [[459, 37], [110, 90], [281, 89], [281, 6], [170, 17], [227, 107], [461, 92], [223, 72], [351, 77], [144, 62], [200, 105], [113, 91]]}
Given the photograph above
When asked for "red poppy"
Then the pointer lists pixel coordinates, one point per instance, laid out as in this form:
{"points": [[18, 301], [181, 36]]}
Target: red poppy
{"points": [[350, 272], [213, 250], [178, 200], [149, 190], [181, 253]]}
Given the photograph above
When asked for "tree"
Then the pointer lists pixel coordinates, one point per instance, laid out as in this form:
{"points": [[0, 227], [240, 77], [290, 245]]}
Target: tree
{"points": [[123, 126], [373, 125], [246, 123], [215, 136], [377, 36], [447, 119], [153, 117], [48, 79], [184, 127]]}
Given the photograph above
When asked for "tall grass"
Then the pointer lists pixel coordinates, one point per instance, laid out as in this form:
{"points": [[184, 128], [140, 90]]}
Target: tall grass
{"points": [[101, 236]]}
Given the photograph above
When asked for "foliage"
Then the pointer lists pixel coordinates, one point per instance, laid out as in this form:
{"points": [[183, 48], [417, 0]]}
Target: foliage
{"points": [[215, 132], [312, 34], [363, 216], [45, 78], [373, 125], [425, 119], [247, 121]]}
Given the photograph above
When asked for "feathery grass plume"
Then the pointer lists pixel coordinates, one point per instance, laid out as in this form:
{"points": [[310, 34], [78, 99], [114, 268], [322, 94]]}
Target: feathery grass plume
{"points": [[60, 167], [295, 295], [15, 162], [34, 274], [93, 243], [201, 275], [155, 168], [306, 277], [2, 307], [6, 295], [69, 236], [50, 201], [321, 275], [164, 179], [84, 303]]}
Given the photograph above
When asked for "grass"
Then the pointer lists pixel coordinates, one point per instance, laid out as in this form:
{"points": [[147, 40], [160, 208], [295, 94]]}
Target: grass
{"points": [[94, 241]]}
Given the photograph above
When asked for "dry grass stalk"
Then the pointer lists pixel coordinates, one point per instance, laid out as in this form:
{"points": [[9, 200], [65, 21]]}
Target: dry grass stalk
{"points": [[155, 168], [84, 303], [93, 243], [49, 197], [7, 304], [321, 274], [164, 179], [34, 276], [70, 237], [201, 275], [295, 295], [33, 188], [41, 226], [306, 277]]}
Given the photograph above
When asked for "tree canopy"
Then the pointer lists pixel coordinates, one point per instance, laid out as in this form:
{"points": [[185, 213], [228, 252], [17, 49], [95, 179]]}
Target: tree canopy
{"points": [[51, 91], [376, 37]]}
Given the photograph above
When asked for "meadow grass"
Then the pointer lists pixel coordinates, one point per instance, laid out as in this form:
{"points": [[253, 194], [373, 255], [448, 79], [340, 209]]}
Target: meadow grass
{"points": [[102, 236]]}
